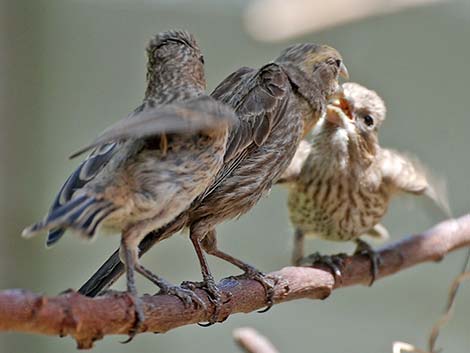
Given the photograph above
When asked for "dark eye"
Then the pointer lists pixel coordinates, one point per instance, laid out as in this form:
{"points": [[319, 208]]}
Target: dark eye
{"points": [[338, 63], [202, 59], [369, 120]]}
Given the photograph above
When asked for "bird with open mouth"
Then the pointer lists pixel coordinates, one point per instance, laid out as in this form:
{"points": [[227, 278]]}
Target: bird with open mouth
{"points": [[341, 183]]}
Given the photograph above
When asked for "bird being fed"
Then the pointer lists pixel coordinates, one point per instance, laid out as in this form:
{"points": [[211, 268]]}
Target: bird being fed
{"points": [[341, 183]]}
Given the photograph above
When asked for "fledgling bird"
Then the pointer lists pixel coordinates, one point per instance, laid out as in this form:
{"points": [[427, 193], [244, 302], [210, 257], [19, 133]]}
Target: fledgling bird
{"points": [[341, 183], [276, 106], [148, 167]]}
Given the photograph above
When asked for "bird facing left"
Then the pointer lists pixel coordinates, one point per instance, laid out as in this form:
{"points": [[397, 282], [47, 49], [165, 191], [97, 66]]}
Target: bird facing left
{"points": [[147, 168]]}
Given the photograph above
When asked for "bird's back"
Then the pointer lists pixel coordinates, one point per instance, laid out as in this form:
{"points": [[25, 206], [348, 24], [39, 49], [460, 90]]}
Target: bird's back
{"points": [[256, 154]]}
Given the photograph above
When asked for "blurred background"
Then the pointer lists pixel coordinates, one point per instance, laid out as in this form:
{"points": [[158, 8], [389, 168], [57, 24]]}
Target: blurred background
{"points": [[70, 68]]}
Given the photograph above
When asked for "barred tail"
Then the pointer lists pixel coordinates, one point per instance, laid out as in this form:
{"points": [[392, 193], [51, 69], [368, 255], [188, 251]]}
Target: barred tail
{"points": [[83, 213], [54, 235]]}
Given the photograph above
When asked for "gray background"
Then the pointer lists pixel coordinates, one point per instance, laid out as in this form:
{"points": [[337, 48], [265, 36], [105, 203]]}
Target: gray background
{"points": [[70, 68]]}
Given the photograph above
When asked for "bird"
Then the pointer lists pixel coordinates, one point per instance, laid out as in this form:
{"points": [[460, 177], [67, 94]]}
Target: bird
{"points": [[341, 182], [276, 106], [147, 168]]}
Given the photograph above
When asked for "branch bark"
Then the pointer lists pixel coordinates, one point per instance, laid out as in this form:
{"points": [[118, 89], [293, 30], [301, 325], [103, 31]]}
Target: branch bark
{"points": [[89, 319]]}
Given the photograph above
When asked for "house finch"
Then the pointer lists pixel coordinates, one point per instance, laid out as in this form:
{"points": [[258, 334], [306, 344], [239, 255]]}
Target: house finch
{"points": [[340, 184], [147, 168], [276, 106]]}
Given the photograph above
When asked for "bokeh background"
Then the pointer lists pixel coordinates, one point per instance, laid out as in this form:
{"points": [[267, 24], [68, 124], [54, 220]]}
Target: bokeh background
{"points": [[69, 68]]}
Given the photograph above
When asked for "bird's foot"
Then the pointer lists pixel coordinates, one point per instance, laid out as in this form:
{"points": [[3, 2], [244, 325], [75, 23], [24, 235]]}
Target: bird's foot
{"points": [[186, 295], [139, 317], [214, 293], [334, 262], [267, 282], [375, 260]]}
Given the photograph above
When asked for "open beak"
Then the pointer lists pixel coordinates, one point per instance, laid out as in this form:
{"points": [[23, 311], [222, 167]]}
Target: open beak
{"points": [[339, 110], [343, 72]]}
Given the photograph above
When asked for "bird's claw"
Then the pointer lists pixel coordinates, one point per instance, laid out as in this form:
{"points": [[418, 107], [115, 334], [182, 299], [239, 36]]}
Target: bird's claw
{"points": [[375, 260], [214, 294], [334, 262], [186, 295], [268, 284], [139, 318]]}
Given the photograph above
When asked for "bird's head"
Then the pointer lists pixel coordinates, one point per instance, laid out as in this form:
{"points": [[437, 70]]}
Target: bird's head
{"points": [[320, 66], [314, 70], [360, 111], [174, 57]]}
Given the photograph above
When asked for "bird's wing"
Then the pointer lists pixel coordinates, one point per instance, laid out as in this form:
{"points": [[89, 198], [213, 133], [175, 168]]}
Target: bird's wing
{"points": [[198, 114], [293, 171], [409, 175], [259, 98], [401, 172]]}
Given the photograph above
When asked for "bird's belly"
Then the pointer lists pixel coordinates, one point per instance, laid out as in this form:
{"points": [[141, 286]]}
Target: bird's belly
{"points": [[338, 217]]}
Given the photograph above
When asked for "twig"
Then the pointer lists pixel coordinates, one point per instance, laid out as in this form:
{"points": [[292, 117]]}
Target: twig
{"points": [[252, 342], [88, 319], [399, 347], [449, 310]]}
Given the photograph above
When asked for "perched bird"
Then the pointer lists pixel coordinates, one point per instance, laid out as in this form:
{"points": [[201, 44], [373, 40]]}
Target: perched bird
{"points": [[148, 167], [276, 106], [341, 183]]}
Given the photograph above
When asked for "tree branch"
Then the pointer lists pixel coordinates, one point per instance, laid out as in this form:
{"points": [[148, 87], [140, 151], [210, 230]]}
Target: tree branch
{"points": [[250, 341], [89, 319]]}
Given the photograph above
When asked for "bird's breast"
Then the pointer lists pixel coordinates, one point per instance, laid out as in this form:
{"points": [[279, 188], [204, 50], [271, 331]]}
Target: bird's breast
{"points": [[335, 207]]}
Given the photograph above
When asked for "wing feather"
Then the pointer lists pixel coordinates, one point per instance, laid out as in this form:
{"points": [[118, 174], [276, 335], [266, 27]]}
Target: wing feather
{"points": [[259, 98], [198, 114]]}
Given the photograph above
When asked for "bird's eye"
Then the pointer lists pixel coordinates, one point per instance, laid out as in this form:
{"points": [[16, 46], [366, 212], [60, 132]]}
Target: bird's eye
{"points": [[201, 58], [338, 62], [369, 120]]}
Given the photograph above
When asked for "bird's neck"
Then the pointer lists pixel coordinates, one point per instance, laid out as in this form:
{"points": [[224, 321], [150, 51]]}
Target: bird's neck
{"points": [[309, 90], [167, 85]]}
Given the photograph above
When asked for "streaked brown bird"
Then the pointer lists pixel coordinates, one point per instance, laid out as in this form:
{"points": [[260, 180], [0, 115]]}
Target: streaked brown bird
{"points": [[341, 183], [148, 168], [276, 106]]}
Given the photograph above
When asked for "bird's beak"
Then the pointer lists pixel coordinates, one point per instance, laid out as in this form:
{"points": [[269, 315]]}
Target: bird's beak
{"points": [[339, 110], [343, 72]]}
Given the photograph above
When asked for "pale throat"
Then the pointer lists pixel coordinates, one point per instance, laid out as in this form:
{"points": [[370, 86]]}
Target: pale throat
{"points": [[334, 146]]}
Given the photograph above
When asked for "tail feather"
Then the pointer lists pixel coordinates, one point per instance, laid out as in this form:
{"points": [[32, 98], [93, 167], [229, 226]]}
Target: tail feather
{"points": [[83, 214], [54, 236], [94, 219]]}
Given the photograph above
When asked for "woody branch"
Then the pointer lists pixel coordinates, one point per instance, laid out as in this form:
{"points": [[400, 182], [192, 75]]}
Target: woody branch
{"points": [[89, 319]]}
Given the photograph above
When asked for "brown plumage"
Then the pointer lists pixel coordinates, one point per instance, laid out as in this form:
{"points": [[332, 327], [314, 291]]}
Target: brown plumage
{"points": [[341, 183], [148, 168], [276, 105]]}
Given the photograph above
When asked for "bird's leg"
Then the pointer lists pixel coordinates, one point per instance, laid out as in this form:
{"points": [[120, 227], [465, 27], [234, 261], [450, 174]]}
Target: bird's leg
{"points": [[298, 251], [187, 296], [208, 283], [365, 249], [129, 254], [210, 245], [132, 238]]}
